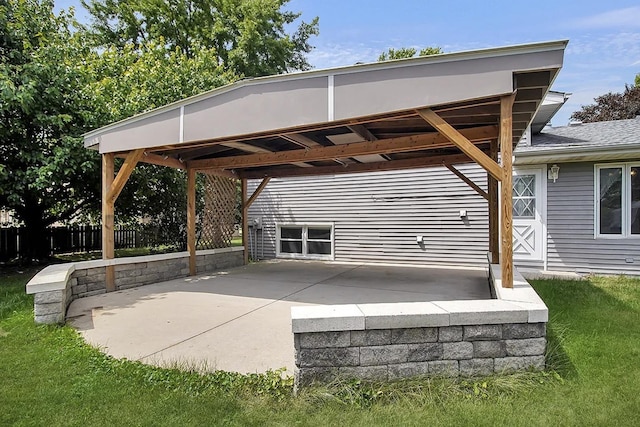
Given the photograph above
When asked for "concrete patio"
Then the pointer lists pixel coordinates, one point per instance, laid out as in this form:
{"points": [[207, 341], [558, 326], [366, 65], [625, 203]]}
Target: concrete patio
{"points": [[240, 319]]}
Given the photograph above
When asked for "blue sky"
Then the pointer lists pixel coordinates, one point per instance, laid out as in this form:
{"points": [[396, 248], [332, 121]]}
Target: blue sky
{"points": [[604, 37]]}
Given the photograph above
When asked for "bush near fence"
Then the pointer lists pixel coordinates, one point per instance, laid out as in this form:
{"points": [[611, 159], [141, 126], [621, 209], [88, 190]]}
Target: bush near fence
{"points": [[14, 241]]}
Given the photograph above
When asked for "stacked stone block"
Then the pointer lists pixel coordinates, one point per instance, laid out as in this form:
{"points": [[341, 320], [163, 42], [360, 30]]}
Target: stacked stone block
{"points": [[392, 354], [51, 306]]}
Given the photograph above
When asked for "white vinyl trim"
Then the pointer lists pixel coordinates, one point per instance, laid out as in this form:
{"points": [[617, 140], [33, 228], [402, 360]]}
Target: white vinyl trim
{"points": [[330, 98], [181, 131], [305, 239], [626, 201]]}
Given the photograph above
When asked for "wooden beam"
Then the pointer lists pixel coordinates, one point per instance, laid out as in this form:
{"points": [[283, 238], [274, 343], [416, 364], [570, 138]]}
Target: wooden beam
{"points": [[245, 221], [191, 220], [462, 142], [492, 190], [392, 145], [257, 192], [506, 153], [414, 163], [108, 220], [124, 173], [155, 159], [467, 181]]}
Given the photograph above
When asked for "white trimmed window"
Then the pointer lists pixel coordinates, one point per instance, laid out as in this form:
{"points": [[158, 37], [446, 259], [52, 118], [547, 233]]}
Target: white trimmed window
{"points": [[617, 200], [308, 241]]}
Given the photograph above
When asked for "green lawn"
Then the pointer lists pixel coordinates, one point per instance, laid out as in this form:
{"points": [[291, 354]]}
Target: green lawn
{"points": [[48, 376]]}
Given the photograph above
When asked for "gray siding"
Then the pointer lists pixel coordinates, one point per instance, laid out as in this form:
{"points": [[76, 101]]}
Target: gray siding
{"points": [[377, 216], [570, 227]]}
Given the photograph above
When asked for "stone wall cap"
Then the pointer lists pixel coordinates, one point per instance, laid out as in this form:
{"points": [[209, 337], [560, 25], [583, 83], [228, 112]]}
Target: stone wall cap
{"points": [[482, 312], [55, 277], [522, 291], [404, 315], [51, 278], [322, 318]]}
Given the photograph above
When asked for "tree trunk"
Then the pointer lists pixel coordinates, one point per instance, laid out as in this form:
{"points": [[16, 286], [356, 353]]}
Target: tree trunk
{"points": [[34, 240]]}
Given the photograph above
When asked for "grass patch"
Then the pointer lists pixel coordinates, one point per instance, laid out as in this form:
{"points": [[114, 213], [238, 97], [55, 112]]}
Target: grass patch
{"points": [[51, 377]]}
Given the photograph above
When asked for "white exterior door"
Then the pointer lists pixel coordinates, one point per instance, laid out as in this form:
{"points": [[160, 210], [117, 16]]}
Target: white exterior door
{"points": [[528, 214]]}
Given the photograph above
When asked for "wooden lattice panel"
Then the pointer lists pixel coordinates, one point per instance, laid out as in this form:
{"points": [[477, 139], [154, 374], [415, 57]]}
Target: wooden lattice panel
{"points": [[218, 217]]}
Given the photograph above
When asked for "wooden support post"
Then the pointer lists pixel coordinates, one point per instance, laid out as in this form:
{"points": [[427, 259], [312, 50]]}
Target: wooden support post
{"points": [[108, 219], [492, 190], [245, 221], [506, 153], [191, 220]]}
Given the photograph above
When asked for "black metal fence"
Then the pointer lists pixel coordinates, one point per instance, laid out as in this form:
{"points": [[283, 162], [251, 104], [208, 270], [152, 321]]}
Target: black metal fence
{"points": [[14, 241]]}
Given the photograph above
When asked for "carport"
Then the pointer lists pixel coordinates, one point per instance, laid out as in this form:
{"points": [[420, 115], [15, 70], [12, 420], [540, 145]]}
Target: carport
{"points": [[444, 109]]}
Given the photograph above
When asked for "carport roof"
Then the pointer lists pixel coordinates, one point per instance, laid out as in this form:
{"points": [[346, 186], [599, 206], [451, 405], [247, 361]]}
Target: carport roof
{"points": [[350, 119]]}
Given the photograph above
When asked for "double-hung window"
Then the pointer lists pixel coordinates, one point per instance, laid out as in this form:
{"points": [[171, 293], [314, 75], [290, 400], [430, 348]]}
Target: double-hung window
{"points": [[617, 194], [305, 241]]}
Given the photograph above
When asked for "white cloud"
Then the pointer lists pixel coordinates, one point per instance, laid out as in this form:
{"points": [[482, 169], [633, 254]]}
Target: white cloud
{"points": [[626, 18], [337, 55]]}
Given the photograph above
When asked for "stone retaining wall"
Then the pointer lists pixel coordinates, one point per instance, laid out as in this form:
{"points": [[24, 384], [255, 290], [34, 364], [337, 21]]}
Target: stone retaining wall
{"points": [[57, 285], [392, 354], [437, 338]]}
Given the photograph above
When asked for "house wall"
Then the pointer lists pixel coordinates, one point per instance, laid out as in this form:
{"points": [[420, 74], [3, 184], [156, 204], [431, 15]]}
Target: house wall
{"points": [[377, 216], [570, 227]]}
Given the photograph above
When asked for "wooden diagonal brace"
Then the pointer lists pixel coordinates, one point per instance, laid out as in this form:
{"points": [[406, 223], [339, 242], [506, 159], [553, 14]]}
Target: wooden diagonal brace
{"points": [[257, 192], [462, 143], [123, 174], [467, 181]]}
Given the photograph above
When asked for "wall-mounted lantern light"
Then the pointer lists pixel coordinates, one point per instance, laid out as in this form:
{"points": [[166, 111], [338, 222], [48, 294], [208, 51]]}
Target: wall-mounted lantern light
{"points": [[554, 171]]}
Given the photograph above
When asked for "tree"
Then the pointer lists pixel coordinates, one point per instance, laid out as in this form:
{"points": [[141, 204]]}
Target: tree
{"points": [[249, 36], [611, 106], [407, 52], [637, 80], [131, 80], [46, 175]]}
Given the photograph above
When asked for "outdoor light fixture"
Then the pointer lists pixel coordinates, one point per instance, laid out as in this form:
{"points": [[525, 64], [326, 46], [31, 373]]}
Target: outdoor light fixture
{"points": [[553, 172]]}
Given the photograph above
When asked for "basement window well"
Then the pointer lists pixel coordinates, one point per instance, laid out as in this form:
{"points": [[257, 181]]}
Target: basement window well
{"points": [[306, 241]]}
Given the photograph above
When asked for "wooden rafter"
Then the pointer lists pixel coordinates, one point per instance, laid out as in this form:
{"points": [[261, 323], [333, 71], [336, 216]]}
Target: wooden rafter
{"points": [[300, 140], [392, 145], [124, 173], [255, 149], [467, 181], [462, 142], [363, 132], [360, 167]]}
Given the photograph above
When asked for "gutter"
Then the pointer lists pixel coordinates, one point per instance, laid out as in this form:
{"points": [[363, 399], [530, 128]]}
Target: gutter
{"points": [[573, 154]]}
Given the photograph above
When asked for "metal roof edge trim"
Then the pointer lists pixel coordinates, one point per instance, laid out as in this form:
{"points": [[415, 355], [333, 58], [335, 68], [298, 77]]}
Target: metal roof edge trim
{"points": [[325, 72]]}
